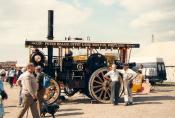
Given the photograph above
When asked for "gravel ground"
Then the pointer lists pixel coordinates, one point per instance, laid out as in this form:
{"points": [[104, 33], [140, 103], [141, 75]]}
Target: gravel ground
{"points": [[158, 104]]}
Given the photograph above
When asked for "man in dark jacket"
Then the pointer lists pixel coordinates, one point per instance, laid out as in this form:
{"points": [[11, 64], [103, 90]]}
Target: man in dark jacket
{"points": [[41, 89]]}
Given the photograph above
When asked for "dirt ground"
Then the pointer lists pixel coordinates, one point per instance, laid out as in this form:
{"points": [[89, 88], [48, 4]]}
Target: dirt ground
{"points": [[158, 104]]}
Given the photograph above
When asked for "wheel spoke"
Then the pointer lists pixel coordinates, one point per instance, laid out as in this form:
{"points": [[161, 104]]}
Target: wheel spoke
{"points": [[104, 97], [101, 93], [98, 90], [97, 82], [102, 74], [97, 86], [100, 79], [108, 92]]}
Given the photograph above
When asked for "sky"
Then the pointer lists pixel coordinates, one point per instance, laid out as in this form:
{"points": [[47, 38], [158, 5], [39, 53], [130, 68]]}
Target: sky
{"points": [[103, 20]]}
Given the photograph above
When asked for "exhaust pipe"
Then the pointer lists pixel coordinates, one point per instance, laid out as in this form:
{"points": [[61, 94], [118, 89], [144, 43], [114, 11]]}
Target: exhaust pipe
{"points": [[50, 37]]}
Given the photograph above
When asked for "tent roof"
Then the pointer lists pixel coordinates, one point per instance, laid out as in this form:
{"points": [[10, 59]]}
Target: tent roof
{"points": [[166, 50]]}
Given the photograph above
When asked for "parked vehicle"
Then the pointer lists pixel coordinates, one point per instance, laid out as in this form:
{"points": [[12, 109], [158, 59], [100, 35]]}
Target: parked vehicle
{"points": [[153, 68]]}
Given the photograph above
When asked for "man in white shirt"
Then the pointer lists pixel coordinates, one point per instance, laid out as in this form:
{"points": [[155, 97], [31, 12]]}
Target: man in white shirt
{"points": [[114, 76], [29, 91], [19, 83], [128, 76]]}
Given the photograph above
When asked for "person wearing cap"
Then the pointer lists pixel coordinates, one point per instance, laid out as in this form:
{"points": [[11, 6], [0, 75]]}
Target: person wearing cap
{"points": [[29, 91], [114, 76], [41, 90], [128, 76]]}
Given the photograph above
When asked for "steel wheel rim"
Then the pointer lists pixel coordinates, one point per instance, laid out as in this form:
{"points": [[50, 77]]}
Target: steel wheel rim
{"points": [[99, 88], [52, 92]]}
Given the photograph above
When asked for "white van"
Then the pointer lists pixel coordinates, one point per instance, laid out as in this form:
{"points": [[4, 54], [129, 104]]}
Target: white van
{"points": [[153, 68]]}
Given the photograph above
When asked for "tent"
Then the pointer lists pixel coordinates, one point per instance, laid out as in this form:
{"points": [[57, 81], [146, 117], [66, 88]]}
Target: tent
{"points": [[166, 50]]}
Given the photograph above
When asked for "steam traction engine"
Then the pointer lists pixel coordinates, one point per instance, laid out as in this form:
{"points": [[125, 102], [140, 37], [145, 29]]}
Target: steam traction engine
{"points": [[82, 73]]}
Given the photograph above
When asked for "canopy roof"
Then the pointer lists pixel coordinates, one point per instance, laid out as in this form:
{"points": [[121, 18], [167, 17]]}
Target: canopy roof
{"points": [[68, 44]]}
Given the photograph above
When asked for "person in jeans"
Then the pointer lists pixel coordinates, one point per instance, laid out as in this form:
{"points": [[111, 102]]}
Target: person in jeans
{"points": [[128, 76], [114, 76], [29, 91]]}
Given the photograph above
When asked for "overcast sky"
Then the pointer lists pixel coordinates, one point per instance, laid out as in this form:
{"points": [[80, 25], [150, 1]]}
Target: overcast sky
{"points": [[110, 20]]}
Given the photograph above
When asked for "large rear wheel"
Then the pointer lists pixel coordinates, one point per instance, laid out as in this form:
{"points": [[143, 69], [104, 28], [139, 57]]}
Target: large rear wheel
{"points": [[99, 87]]}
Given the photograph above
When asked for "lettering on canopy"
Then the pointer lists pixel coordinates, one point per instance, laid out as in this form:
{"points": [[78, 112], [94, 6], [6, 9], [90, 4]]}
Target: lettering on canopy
{"points": [[45, 44]]}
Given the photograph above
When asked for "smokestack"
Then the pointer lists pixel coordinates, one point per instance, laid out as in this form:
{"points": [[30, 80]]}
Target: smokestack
{"points": [[50, 37], [50, 25]]}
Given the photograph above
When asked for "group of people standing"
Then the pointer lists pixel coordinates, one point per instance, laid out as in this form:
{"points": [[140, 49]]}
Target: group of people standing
{"points": [[10, 75], [30, 80], [127, 76]]}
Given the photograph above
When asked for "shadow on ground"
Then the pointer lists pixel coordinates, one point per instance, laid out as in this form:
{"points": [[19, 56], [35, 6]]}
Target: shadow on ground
{"points": [[78, 101], [9, 106], [141, 99], [71, 112], [151, 103], [158, 90], [61, 110], [154, 98], [165, 84]]}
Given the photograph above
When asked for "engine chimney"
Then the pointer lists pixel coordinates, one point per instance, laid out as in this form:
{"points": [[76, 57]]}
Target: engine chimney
{"points": [[50, 37], [50, 25]]}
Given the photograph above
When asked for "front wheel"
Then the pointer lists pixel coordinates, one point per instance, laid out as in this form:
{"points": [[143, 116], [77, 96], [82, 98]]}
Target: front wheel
{"points": [[52, 92]]}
